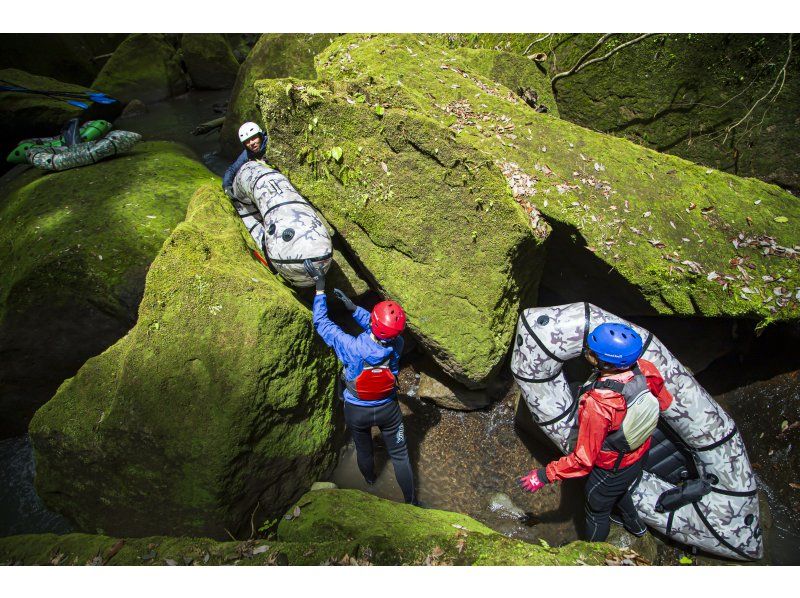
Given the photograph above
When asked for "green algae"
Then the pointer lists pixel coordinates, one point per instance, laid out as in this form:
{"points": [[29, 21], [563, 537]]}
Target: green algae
{"points": [[145, 67], [209, 60], [217, 403], [666, 225], [274, 55], [333, 527], [431, 220]]}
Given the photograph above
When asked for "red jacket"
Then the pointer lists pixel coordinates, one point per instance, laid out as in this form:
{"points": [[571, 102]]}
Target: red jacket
{"points": [[601, 411]]}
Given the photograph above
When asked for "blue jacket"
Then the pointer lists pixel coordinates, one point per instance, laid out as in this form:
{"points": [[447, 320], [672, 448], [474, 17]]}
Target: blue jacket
{"points": [[355, 351], [245, 156]]}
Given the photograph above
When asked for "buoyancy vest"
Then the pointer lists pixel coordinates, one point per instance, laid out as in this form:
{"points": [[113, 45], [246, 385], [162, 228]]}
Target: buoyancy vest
{"points": [[641, 414], [374, 383]]}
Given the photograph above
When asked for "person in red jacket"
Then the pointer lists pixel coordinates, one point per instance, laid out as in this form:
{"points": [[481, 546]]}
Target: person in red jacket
{"points": [[616, 418]]}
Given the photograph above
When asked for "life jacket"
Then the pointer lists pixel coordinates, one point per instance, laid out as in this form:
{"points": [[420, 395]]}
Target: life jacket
{"points": [[641, 414], [374, 383]]}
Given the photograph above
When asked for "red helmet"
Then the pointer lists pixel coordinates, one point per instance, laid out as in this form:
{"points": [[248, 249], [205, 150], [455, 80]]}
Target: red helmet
{"points": [[387, 320]]}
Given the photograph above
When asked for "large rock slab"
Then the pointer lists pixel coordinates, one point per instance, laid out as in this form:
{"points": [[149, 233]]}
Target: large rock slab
{"points": [[144, 67], [209, 60], [217, 404], [678, 93], [274, 55], [333, 527], [429, 218], [685, 239], [75, 247]]}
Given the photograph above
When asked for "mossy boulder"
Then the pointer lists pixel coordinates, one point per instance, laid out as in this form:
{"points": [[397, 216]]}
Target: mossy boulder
{"points": [[685, 239], [342, 527], [679, 93], [215, 407], [145, 67], [24, 115], [75, 247], [274, 55], [209, 60], [63, 56], [430, 220]]}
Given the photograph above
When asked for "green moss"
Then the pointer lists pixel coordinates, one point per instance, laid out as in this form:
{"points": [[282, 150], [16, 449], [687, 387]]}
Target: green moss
{"points": [[430, 219], [274, 55], [144, 67], [606, 187], [334, 526], [218, 399], [209, 60]]}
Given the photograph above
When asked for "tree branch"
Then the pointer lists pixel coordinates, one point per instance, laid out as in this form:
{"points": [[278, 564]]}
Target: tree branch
{"points": [[580, 65], [536, 41], [780, 77]]}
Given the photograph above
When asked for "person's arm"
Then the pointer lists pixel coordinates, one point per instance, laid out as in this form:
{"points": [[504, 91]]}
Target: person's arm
{"points": [[394, 364], [333, 336], [230, 172], [593, 430], [361, 316]]}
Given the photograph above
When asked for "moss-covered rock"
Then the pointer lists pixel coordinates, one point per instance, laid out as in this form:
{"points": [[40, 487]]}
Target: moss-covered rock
{"points": [[63, 56], [145, 67], [428, 218], [273, 56], [24, 115], [679, 93], [215, 406], [209, 60], [691, 240], [75, 247], [344, 527]]}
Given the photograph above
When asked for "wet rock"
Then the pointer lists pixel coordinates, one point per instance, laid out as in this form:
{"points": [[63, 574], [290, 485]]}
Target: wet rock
{"points": [[134, 108], [209, 60], [75, 248], [219, 399], [646, 546], [323, 486], [674, 237], [145, 67], [274, 55], [501, 503], [435, 386]]}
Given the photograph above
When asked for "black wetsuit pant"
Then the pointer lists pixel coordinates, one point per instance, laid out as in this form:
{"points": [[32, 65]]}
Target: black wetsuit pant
{"points": [[387, 417], [607, 490]]}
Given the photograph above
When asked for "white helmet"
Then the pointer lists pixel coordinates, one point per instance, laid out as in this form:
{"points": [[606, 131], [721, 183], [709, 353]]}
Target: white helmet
{"points": [[248, 130]]}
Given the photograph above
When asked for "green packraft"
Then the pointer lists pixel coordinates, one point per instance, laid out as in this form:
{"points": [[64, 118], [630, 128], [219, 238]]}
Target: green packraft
{"points": [[91, 130]]}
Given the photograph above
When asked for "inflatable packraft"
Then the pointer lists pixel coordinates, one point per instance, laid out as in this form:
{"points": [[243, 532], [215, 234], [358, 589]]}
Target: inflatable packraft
{"points": [[698, 487], [82, 154], [90, 131], [292, 230]]}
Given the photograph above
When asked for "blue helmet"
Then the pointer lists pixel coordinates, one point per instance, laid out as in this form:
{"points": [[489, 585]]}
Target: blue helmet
{"points": [[617, 345]]}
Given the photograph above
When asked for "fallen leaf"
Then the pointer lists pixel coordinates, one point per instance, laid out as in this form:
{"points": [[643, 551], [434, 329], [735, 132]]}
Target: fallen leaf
{"points": [[784, 425], [296, 512], [795, 486], [384, 167], [171, 562], [685, 560], [781, 219]]}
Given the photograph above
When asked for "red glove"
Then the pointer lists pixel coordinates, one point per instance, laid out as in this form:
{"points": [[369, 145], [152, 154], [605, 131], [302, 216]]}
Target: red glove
{"points": [[534, 481]]}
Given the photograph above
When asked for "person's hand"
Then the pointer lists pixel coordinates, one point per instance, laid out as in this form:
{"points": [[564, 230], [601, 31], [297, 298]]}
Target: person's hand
{"points": [[344, 299], [229, 192], [316, 274], [533, 482]]}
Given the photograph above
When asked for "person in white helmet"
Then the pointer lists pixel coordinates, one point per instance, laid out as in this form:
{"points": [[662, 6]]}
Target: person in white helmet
{"points": [[254, 141]]}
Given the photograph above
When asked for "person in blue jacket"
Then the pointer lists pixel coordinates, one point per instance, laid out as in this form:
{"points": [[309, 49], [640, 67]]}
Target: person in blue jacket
{"points": [[371, 363], [254, 141]]}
